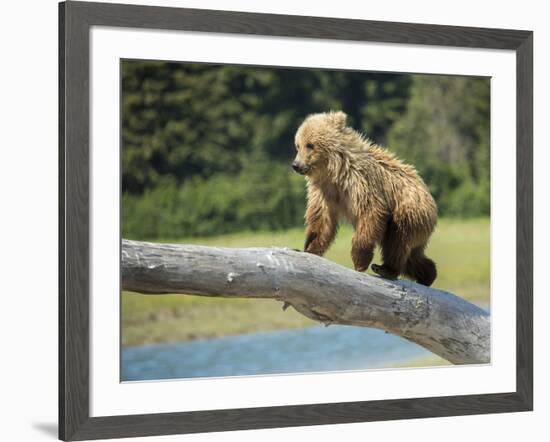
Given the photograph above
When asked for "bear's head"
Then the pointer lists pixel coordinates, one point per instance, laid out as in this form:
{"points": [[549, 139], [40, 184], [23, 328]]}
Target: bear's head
{"points": [[316, 140]]}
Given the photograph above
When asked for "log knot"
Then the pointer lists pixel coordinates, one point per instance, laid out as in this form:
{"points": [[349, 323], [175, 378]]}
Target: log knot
{"points": [[231, 276]]}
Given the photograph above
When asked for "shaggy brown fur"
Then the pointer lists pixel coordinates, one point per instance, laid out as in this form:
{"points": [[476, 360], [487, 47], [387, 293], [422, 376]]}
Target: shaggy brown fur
{"points": [[385, 200]]}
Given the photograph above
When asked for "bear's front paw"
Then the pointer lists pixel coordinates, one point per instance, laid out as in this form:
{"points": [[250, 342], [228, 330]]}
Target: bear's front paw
{"points": [[312, 236], [384, 271]]}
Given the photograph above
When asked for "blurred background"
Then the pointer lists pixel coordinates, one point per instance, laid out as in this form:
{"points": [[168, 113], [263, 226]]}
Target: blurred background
{"points": [[206, 153]]}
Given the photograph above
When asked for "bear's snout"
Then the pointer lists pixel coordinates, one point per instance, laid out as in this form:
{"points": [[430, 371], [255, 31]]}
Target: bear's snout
{"points": [[299, 167]]}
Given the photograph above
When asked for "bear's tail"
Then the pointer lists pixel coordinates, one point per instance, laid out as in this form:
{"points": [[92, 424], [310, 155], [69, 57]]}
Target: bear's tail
{"points": [[421, 268]]}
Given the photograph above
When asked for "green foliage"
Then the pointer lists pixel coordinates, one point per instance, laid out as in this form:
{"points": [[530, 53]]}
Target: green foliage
{"points": [[206, 148], [263, 196], [445, 134]]}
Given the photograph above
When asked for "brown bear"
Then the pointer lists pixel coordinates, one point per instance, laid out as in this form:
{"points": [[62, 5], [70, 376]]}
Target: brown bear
{"points": [[385, 200]]}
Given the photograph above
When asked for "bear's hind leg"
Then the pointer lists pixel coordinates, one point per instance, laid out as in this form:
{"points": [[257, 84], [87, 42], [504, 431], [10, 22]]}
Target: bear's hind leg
{"points": [[395, 253], [421, 268], [362, 255], [368, 232]]}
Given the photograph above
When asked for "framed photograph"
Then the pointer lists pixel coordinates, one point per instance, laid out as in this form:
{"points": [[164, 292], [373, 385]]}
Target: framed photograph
{"points": [[271, 221]]}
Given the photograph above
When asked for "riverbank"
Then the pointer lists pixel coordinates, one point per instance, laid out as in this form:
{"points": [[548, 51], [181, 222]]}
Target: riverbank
{"points": [[307, 350]]}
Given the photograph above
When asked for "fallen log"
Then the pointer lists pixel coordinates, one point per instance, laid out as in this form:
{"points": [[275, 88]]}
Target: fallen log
{"points": [[441, 322]]}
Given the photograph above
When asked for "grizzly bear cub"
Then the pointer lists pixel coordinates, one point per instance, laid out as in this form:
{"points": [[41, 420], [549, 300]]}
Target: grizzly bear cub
{"points": [[385, 200]]}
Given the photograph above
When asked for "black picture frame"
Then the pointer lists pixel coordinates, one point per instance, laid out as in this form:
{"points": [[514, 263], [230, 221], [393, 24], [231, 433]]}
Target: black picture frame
{"points": [[75, 20]]}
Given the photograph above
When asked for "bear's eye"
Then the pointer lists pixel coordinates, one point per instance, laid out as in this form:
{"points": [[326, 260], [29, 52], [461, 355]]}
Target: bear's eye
{"points": [[309, 146]]}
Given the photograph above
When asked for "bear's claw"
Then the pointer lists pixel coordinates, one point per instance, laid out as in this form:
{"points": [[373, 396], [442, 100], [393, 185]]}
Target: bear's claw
{"points": [[383, 271]]}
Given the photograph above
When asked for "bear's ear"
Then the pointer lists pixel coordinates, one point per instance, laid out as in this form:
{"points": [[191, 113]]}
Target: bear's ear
{"points": [[339, 119]]}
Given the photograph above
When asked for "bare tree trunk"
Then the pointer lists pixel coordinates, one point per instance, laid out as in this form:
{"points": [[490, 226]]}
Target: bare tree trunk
{"points": [[324, 291]]}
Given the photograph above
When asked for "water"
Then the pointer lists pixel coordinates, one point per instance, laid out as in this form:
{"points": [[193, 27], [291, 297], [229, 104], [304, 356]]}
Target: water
{"points": [[311, 349]]}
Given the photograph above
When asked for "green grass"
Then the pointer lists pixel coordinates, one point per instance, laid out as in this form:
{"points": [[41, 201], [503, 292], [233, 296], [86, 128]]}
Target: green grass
{"points": [[459, 247]]}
